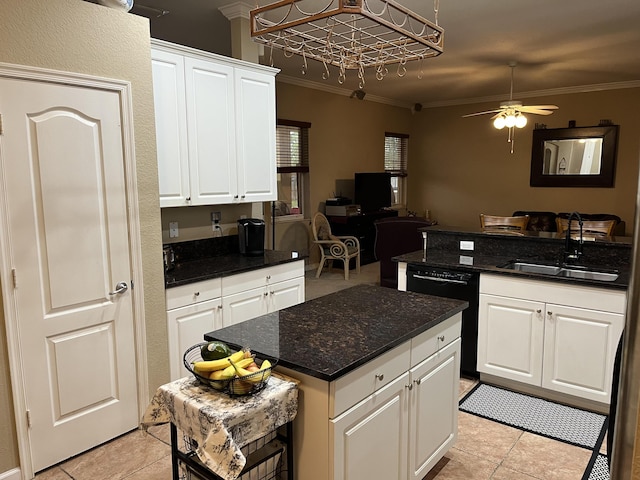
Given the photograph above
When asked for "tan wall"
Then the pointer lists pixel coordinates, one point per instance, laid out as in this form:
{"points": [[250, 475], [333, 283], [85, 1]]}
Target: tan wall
{"points": [[461, 167], [346, 136], [77, 36]]}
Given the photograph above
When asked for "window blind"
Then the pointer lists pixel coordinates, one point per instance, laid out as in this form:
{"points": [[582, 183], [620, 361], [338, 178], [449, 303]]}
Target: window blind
{"points": [[292, 146], [396, 147]]}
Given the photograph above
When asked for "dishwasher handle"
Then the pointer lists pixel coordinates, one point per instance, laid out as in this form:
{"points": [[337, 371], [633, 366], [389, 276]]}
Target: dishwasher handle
{"points": [[436, 279]]}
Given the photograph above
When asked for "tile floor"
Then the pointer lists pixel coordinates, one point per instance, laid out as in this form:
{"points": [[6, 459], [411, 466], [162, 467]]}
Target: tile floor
{"points": [[484, 449]]}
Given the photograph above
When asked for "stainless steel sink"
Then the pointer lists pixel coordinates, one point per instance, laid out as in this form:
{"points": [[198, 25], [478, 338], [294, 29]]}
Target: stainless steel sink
{"points": [[588, 274], [562, 271], [533, 268]]}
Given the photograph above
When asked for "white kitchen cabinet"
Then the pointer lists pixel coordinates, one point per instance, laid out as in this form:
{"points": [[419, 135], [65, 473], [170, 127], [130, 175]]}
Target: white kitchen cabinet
{"points": [[215, 127], [393, 417], [197, 308], [258, 292], [192, 310], [555, 336], [371, 438]]}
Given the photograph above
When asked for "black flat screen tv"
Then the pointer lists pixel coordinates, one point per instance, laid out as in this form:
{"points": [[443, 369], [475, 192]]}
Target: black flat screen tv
{"points": [[372, 191]]}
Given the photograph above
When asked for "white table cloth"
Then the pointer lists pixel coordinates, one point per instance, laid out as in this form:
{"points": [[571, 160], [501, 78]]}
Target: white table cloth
{"points": [[220, 424]]}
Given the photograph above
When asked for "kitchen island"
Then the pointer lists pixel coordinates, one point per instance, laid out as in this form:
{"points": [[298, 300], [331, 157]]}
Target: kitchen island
{"points": [[379, 372]]}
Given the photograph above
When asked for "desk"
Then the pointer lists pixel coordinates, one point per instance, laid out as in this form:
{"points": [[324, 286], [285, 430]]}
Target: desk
{"points": [[220, 425], [361, 226]]}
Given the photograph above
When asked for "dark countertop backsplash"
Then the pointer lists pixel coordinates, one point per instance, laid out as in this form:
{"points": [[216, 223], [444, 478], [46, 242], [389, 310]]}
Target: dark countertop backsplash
{"points": [[494, 249], [200, 260]]}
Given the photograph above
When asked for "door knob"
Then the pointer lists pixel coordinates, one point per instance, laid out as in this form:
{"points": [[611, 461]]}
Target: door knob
{"points": [[121, 287]]}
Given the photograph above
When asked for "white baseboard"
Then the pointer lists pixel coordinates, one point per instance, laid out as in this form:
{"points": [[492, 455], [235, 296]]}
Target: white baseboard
{"points": [[11, 475]]}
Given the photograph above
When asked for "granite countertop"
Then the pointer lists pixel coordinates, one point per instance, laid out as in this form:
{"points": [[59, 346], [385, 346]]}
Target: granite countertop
{"points": [[491, 263], [332, 335], [200, 269]]}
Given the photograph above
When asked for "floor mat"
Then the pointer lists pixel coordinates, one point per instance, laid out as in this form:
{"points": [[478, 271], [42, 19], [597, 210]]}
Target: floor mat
{"points": [[560, 422], [598, 470]]}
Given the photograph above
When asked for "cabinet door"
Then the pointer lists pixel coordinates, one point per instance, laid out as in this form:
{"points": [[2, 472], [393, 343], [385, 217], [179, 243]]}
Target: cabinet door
{"points": [[370, 439], [579, 350], [256, 135], [286, 294], [244, 306], [433, 411], [186, 327], [171, 128], [211, 124], [510, 338]]}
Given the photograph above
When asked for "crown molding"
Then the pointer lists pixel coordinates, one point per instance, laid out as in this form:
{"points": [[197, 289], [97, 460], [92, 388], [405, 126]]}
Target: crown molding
{"points": [[462, 101], [236, 10]]}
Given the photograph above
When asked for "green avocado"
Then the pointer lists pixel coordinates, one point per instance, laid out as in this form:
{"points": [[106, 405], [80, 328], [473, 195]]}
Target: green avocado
{"points": [[215, 351]]}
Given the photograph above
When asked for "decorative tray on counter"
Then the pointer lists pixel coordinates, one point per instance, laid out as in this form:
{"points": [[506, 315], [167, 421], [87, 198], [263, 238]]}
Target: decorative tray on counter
{"points": [[222, 375]]}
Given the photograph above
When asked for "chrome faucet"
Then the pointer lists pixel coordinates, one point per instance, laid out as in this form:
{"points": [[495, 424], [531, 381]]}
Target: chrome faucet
{"points": [[575, 252]]}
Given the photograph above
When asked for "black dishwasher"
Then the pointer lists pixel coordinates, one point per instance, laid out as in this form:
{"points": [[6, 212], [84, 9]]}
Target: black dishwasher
{"points": [[460, 285]]}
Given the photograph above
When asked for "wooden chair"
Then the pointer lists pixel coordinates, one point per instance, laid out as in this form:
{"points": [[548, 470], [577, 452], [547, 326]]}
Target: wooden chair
{"points": [[334, 247], [602, 228], [504, 224]]}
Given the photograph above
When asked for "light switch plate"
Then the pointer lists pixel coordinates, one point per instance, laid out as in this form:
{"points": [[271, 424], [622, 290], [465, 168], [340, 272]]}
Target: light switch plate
{"points": [[466, 245], [466, 260], [173, 229]]}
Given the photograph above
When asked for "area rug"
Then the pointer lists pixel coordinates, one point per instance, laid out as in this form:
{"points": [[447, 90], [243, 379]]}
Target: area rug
{"points": [[542, 417], [598, 466]]}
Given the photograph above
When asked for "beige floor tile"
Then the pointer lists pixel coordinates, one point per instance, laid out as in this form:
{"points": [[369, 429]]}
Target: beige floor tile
{"points": [[466, 384], [459, 465], [118, 458], [484, 438], [547, 459], [55, 473], [503, 473], [159, 470], [161, 432]]}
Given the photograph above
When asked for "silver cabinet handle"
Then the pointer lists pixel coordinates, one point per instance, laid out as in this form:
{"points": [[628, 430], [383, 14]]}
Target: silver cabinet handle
{"points": [[418, 381], [410, 386], [266, 294], [538, 311], [441, 338], [196, 294], [380, 376], [121, 287], [549, 313]]}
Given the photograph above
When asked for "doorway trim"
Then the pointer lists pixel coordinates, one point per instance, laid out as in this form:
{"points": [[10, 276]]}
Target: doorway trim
{"points": [[123, 89]]}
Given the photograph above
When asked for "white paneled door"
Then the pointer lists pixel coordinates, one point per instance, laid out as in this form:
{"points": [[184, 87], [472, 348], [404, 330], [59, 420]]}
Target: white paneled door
{"points": [[67, 240]]}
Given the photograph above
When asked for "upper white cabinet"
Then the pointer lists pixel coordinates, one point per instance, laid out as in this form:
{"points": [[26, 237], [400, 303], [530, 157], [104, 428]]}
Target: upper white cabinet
{"points": [[556, 336], [215, 128]]}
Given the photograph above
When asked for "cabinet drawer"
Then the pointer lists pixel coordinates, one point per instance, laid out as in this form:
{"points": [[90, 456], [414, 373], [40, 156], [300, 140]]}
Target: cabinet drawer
{"points": [[193, 293], [259, 278], [286, 271], [429, 342], [365, 380]]}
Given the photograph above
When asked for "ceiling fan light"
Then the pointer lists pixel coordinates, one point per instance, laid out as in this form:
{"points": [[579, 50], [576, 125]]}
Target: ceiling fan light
{"points": [[521, 121], [510, 120], [499, 122]]}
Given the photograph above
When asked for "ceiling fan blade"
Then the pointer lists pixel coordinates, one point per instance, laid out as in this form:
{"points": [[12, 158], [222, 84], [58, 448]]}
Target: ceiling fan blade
{"points": [[481, 113], [535, 111], [542, 107]]}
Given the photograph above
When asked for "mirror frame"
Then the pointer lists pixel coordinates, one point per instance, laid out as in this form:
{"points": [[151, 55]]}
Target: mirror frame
{"points": [[609, 135]]}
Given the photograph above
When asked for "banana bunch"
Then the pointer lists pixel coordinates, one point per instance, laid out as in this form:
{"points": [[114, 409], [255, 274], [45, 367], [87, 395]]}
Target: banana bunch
{"points": [[235, 366]]}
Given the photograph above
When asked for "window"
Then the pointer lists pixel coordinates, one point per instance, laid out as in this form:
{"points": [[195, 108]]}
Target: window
{"points": [[292, 152], [396, 146]]}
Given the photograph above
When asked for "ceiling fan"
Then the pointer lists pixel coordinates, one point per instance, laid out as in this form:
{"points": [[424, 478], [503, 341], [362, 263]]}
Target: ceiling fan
{"points": [[510, 113]]}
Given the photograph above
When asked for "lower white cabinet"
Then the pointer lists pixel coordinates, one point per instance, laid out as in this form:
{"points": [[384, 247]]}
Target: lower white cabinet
{"points": [[392, 418], [251, 294], [192, 310], [555, 336], [201, 307]]}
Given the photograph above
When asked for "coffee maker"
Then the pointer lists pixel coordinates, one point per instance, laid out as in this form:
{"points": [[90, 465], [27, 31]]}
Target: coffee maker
{"points": [[251, 236]]}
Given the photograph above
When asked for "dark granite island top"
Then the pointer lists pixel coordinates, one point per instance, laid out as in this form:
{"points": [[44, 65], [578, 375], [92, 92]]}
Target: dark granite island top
{"points": [[332, 335]]}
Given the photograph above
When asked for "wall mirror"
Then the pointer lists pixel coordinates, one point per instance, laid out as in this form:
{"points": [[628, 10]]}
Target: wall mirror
{"points": [[574, 157]]}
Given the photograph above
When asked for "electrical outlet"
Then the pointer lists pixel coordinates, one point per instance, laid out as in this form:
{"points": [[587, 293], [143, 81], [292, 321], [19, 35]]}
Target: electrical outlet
{"points": [[216, 217], [173, 229], [466, 245]]}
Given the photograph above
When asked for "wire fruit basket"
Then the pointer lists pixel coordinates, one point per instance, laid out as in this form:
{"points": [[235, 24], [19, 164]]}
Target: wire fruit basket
{"points": [[236, 386]]}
